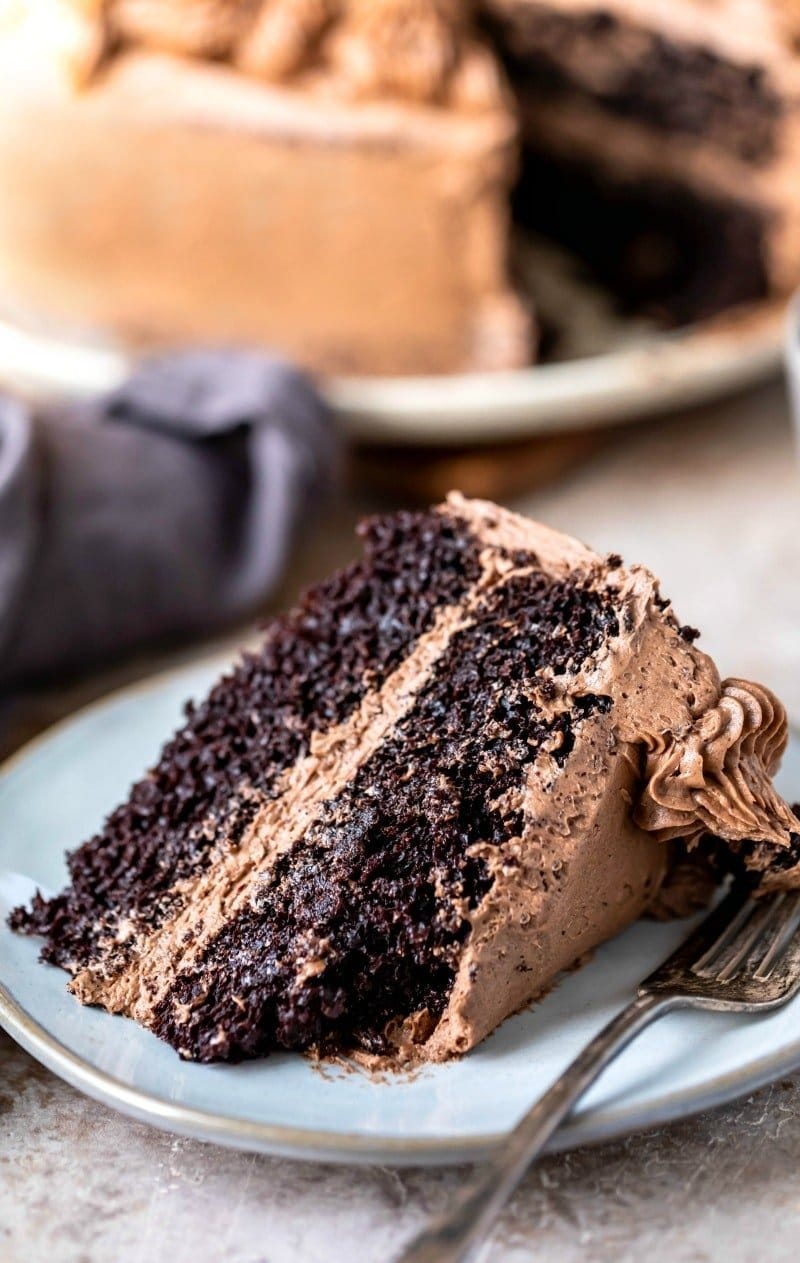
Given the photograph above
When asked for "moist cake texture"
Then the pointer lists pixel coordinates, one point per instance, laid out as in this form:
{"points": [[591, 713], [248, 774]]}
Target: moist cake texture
{"points": [[455, 768], [666, 138]]}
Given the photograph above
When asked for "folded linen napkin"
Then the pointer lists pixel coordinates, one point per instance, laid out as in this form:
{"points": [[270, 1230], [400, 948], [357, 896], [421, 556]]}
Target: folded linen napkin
{"points": [[165, 508]]}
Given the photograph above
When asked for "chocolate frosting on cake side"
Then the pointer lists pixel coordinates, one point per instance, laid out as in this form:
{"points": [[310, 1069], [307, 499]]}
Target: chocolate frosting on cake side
{"points": [[233, 221], [530, 768], [677, 754]]}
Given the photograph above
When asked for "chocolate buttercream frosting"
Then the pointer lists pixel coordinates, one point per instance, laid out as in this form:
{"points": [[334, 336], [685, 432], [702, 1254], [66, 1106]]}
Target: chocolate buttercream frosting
{"points": [[717, 777], [416, 50], [658, 142], [329, 178], [196, 28], [455, 769]]}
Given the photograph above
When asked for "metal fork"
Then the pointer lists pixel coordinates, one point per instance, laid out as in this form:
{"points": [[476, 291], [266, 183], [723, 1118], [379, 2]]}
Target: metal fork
{"points": [[744, 958]]}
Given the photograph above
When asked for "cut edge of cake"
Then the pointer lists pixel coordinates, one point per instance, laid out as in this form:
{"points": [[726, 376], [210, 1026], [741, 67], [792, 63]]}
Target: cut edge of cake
{"points": [[669, 138], [455, 769]]}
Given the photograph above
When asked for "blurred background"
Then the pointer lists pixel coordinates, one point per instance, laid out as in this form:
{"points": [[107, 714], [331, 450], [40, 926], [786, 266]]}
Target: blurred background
{"points": [[268, 266]]}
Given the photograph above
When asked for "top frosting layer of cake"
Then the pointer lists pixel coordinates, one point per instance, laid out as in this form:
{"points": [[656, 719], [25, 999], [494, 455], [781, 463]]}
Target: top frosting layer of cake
{"points": [[415, 50], [455, 769], [419, 50], [722, 73], [745, 31]]}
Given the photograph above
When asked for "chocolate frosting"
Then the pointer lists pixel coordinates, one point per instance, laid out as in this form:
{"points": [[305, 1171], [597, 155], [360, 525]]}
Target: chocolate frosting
{"points": [[679, 754], [406, 48], [662, 750], [415, 50], [196, 28], [717, 776]]}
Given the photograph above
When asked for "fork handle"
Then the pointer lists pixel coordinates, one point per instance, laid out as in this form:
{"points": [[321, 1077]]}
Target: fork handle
{"points": [[456, 1235]]}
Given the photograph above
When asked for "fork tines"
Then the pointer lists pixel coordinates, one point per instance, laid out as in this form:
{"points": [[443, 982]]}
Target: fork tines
{"points": [[746, 954]]}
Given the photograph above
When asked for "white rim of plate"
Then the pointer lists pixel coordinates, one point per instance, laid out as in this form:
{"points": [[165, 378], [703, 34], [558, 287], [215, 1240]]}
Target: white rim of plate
{"points": [[660, 373], [588, 1128]]}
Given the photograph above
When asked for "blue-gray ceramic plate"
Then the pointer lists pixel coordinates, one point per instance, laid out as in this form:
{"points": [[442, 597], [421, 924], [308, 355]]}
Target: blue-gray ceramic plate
{"points": [[56, 793], [610, 375]]}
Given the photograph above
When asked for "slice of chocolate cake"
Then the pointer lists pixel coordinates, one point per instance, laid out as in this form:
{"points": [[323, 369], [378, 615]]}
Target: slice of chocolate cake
{"points": [[454, 769]]}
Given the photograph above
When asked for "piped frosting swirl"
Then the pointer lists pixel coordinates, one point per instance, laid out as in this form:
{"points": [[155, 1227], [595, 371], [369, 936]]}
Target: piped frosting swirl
{"points": [[717, 776]]}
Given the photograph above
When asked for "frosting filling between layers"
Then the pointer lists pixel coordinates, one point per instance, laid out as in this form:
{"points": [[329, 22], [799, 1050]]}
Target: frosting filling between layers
{"points": [[314, 670], [369, 908], [633, 71], [496, 800]]}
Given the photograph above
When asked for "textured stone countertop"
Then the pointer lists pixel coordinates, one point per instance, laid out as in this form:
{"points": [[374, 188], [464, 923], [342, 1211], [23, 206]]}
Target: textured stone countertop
{"points": [[710, 501]]}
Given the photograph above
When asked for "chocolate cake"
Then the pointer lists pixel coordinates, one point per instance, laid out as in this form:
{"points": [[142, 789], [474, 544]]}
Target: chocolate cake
{"points": [[454, 769], [325, 178], [337, 177], [667, 138]]}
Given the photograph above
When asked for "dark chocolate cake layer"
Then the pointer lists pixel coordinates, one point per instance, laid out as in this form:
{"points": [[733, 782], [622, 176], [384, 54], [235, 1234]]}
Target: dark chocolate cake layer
{"points": [[401, 834], [313, 670], [664, 248], [451, 772], [642, 74], [661, 144]]}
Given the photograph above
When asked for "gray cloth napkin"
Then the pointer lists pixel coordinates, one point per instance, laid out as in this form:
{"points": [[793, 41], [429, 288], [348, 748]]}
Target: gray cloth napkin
{"points": [[166, 508]]}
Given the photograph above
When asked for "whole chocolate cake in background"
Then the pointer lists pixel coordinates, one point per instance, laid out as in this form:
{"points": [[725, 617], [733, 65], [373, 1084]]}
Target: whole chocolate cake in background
{"points": [[336, 177], [454, 769]]}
